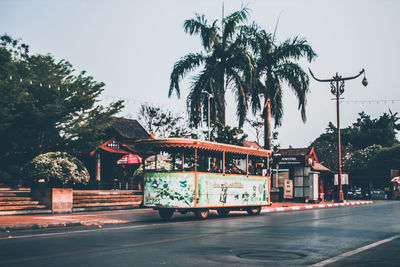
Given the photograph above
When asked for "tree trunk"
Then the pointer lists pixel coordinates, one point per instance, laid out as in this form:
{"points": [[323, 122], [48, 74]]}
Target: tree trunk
{"points": [[267, 124], [221, 109], [221, 102]]}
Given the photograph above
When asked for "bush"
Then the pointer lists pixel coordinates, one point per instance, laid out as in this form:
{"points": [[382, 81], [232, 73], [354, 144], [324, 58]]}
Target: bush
{"points": [[56, 169], [6, 179]]}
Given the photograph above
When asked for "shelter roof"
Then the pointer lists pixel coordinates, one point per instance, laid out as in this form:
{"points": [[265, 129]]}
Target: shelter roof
{"points": [[129, 129], [252, 144], [290, 152]]}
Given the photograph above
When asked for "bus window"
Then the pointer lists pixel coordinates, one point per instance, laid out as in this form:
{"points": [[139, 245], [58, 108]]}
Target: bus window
{"points": [[235, 164], [162, 161], [252, 169]]}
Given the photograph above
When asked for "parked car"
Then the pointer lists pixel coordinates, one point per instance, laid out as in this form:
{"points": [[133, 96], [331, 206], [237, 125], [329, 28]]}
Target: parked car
{"points": [[358, 193], [378, 194]]}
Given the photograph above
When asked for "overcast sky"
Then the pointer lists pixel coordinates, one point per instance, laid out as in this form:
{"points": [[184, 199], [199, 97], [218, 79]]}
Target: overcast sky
{"points": [[131, 46]]}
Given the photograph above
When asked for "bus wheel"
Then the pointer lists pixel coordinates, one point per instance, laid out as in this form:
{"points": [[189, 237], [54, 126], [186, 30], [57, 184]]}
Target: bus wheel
{"points": [[254, 210], [223, 212], [201, 214], [166, 214]]}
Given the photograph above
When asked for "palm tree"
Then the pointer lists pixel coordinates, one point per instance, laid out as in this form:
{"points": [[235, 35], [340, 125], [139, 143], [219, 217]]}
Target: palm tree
{"points": [[225, 64], [275, 65]]}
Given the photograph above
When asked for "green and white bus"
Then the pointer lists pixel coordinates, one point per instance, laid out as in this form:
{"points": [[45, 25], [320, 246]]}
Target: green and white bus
{"points": [[196, 176]]}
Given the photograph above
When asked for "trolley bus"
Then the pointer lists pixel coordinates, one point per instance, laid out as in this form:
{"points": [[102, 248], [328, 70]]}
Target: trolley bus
{"points": [[197, 176]]}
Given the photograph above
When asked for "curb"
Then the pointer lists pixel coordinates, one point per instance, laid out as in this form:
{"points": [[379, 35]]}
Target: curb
{"points": [[5, 228], [316, 206]]}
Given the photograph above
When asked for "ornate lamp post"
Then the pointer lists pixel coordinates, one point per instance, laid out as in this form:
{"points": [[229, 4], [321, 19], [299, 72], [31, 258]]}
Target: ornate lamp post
{"points": [[337, 89]]}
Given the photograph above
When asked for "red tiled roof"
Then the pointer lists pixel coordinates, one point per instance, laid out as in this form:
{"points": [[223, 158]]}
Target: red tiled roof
{"points": [[113, 150], [294, 151], [252, 144], [319, 167], [149, 144]]}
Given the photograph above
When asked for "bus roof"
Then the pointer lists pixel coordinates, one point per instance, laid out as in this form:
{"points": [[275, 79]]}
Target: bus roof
{"points": [[186, 143]]}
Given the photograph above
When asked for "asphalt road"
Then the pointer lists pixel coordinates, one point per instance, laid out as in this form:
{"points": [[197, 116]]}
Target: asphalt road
{"points": [[367, 235]]}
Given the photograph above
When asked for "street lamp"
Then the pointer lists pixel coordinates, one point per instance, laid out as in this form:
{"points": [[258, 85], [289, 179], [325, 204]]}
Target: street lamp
{"points": [[337, 89], [208, 109]]}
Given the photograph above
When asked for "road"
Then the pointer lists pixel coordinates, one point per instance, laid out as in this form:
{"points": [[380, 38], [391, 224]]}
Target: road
{"points": [[367, 235]]}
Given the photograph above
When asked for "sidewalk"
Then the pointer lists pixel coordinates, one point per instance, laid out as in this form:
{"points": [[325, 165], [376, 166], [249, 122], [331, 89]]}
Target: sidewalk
{"points": [[37, 221]]}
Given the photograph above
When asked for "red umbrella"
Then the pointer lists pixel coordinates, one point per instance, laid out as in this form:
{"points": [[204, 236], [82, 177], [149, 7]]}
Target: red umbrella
{"points": [[130, 159], [396, 180]]}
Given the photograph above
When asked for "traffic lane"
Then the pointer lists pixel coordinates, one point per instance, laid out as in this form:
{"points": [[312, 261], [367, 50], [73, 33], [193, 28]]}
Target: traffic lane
{"points": [[95, 219], [210, 224], [198, 252], [142, 217], [241, 239], [387, 254]]}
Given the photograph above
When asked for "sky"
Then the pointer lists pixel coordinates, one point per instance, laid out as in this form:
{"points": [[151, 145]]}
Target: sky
{"points": [[132, 46]]}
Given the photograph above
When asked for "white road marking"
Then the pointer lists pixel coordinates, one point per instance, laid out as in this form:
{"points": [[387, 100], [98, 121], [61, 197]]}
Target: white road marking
{"points": [[353, 252], [86, 231]]}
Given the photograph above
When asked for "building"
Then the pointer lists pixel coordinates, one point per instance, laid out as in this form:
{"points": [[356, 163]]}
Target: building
{"points": [[109, 172], [298, 175]]}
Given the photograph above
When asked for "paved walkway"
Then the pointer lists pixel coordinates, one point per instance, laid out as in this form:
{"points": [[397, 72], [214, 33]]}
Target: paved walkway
{"points": [[19, 222]]}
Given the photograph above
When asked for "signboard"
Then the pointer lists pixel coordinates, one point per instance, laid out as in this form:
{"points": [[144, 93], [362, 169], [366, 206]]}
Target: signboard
{"points": [[168, 189], [213, 190], [344, 180], [290, 160], [288, 189], [231, 190]]}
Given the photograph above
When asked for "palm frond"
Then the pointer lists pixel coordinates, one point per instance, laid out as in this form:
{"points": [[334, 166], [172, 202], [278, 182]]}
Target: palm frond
{"points": [[231, 22], [242, 95], [298, 81], [181, 68], [295, 49], [208, 33]]}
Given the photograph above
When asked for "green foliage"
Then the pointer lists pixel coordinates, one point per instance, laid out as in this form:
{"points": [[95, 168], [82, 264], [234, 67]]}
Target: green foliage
{"points": [[327, 153], [387, 158], [365, 132], [47, 106], [227, 135], [165, 123], [257, 125], [225, 62], [56, 169], [367, 143], [275, 64], [361, 159], [6, 179]]}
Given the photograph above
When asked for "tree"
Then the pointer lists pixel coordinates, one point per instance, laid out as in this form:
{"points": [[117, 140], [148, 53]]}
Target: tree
{"points": [[164, 122], [257, 125], [275, 64], [47, 106], [224, 64], [366, 143], [56, 169], [225, 134]]}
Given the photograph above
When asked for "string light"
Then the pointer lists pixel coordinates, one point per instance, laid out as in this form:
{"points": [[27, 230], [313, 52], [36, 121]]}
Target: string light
{"points": [[371, 101], [135, 102]]}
